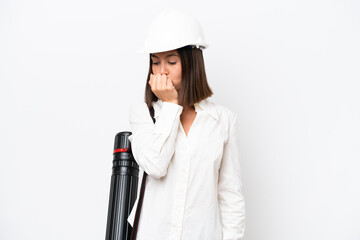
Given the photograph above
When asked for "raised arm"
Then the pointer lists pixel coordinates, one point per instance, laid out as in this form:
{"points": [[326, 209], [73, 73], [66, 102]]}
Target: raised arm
{"points": [[153, 144]]}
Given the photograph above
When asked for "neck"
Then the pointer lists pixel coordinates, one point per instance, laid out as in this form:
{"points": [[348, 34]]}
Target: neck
{"points": [[188, 107]]}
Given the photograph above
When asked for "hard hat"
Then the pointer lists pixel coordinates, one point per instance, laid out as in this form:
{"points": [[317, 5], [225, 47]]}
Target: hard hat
{"points": [[173, 29]]}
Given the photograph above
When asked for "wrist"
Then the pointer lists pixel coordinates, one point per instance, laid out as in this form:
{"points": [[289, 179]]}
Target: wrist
{"points": [[172, 101]]}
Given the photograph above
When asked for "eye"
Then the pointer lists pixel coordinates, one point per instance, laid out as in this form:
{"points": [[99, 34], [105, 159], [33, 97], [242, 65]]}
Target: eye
{"points": [[156, 63], [172, 63]]}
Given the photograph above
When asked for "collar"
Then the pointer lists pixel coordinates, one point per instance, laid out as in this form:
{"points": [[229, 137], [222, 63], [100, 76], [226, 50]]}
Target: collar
{"points": [[208, 106], [204, 105]]}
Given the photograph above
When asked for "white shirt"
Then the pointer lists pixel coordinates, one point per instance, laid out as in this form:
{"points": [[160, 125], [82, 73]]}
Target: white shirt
{"points": [[193, 188]]}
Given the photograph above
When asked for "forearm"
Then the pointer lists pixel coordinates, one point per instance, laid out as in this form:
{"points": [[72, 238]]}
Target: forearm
{"points": [[153, 145], [232, 210]]}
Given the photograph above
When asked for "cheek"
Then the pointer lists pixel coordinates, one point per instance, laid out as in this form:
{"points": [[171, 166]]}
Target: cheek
{"points": [[178, 72]]}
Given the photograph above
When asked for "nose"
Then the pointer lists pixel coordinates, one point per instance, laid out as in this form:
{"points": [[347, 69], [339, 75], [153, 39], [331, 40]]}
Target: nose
{"points": [[163, 69]]}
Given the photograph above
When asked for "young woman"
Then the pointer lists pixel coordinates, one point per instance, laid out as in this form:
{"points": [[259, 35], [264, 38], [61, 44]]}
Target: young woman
{"points": [[193, 187]]}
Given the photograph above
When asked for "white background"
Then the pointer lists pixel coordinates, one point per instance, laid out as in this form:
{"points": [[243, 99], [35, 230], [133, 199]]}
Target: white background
{"points": [[290, 70]]}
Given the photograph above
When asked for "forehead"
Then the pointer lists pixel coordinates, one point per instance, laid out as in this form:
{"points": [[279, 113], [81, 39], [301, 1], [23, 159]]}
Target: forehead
{"points": [[165, 54]]}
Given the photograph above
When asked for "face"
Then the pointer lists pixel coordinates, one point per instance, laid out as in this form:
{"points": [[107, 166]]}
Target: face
{"points": [[168, 63]]}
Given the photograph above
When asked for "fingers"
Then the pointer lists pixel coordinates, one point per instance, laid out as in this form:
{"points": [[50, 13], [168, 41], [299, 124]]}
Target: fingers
{"points": [[163, 88], [158, 81], [169, 83], [151, 81], [163, 81]]}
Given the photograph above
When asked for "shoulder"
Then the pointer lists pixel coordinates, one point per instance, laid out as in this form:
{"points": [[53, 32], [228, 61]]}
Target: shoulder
{"points": [[136, 106], [227, 118], [138, 110], [223, 113]]}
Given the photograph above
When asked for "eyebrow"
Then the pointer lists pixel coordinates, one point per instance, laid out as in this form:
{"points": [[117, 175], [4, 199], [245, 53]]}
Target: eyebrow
{"points": [[169, 55]]}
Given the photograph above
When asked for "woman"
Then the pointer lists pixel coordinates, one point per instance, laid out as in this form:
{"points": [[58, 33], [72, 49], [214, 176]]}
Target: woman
{"points": [[193, 188]]}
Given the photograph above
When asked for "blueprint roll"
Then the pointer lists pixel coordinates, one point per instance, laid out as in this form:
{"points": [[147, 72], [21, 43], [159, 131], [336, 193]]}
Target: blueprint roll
{"points": [[123, 189]]}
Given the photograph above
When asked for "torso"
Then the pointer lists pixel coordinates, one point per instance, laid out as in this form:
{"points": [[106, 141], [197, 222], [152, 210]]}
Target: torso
{"points": [[187, 196]]}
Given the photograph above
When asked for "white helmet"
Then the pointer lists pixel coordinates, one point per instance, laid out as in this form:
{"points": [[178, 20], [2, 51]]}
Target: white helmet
{"points": [[173, 29]]}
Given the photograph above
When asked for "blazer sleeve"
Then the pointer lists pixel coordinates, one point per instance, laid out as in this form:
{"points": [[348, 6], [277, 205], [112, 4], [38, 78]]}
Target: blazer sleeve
{"points": [[153, 144], [231, 199]]}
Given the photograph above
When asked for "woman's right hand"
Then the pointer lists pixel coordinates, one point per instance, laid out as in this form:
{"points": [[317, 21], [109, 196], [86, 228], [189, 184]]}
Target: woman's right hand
{"points": [[163, 88]]}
